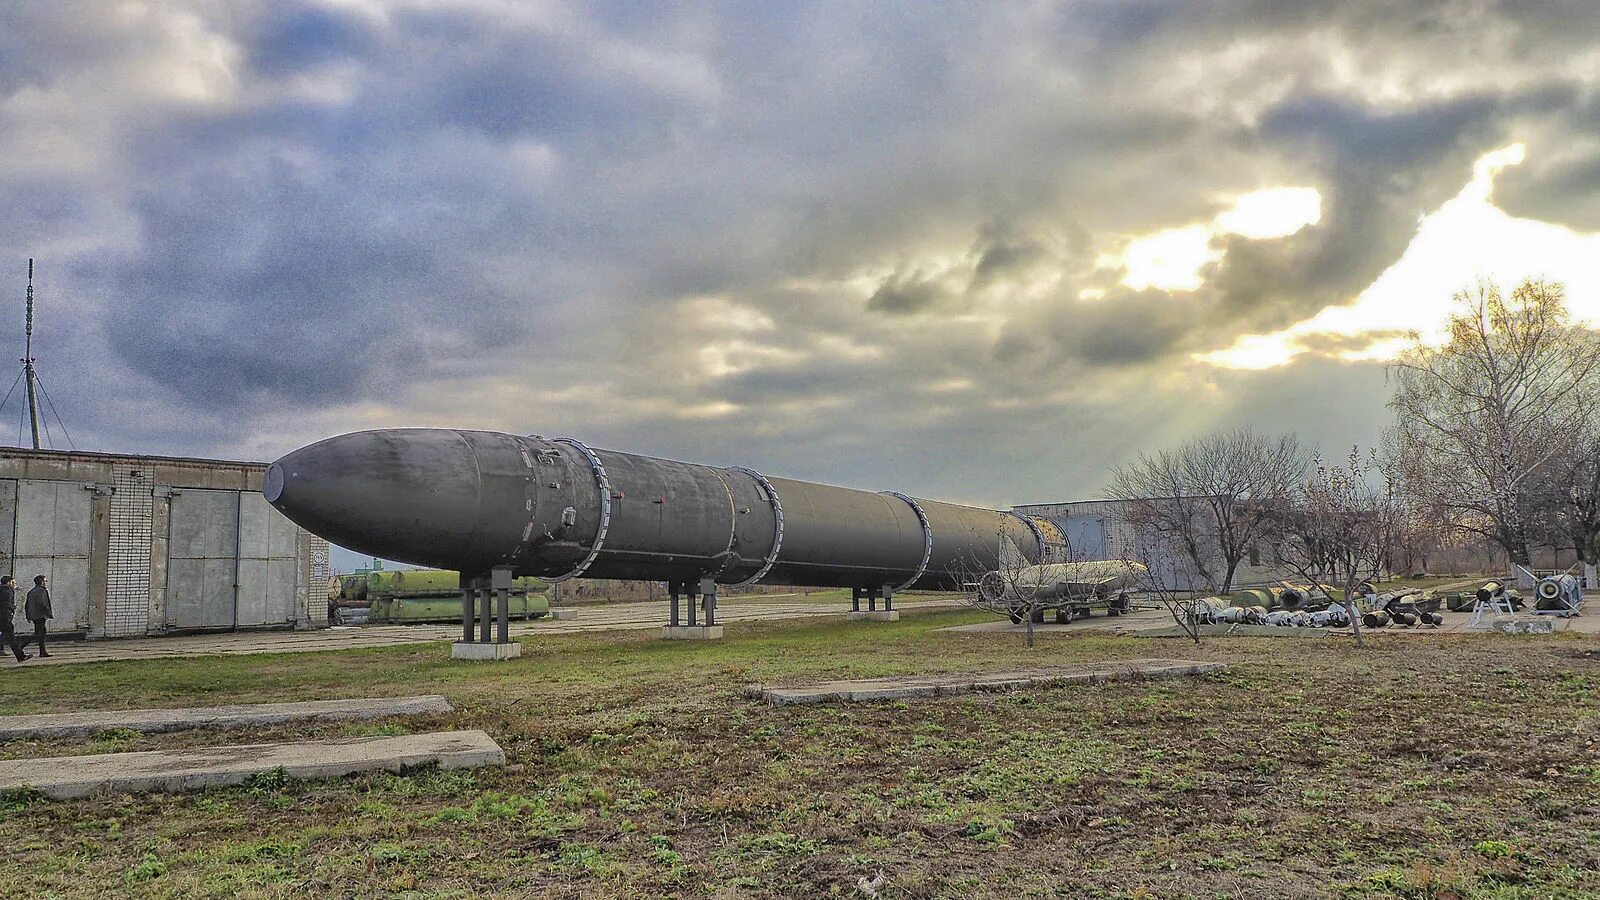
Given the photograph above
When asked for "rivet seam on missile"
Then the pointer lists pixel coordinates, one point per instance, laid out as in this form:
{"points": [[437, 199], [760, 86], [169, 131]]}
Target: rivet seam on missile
{"points": [[604, 485], [778, 526], [728, 555], [927, 539]]}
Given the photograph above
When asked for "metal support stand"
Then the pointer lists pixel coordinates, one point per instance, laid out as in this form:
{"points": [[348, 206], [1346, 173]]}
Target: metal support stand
{"points": [[708, 594], [1497, 606], [500, 580], [872, 613], [701, 596], [491, 640]]}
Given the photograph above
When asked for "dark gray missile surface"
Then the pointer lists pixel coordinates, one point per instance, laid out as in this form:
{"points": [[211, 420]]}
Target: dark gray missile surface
{"points": [[557, 509]]}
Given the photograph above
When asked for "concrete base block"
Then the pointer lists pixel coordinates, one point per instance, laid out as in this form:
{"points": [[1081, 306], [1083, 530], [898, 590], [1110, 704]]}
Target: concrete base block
{"points": [[202, 767], [1523, 625], [878, 615], [485, 652], [691, 632], [83, 724], [906, 687], [562, 613]]}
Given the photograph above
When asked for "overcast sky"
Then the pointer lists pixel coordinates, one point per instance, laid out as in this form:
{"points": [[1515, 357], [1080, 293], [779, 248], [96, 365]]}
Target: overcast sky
{"points": [[974, 252]]}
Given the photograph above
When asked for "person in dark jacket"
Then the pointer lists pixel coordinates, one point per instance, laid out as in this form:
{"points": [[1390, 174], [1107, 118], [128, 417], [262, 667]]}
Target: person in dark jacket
{"points": [[8, 613], [38, 612]]}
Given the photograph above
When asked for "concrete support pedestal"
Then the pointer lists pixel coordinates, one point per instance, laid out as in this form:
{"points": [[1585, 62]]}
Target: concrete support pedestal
{"points": [[484, 652], [563, 613], [493, 638], [691, 632], [873, 615], [701, 597]]}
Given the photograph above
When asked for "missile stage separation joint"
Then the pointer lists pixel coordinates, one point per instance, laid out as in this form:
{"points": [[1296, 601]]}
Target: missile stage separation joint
{"points": [[557, 509]]}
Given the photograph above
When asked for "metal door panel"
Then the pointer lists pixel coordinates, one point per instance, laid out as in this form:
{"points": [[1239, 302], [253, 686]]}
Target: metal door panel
{"points": [[284, 540], [201, 558], [283, 599], [8, 522], [204, 524], [253, 592], [69, 588], [265, 532], [267, 559], [254, 526], [200, 593], [266, 592], [52, 535]]}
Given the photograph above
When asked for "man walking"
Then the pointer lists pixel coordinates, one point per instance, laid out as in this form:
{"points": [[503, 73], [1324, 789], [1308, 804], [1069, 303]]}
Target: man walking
{"points": [[38, 611], [8, 612]]}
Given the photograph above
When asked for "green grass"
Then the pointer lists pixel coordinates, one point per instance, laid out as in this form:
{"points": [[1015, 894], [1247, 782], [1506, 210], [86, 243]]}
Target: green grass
{"points": [[1422, 767]]}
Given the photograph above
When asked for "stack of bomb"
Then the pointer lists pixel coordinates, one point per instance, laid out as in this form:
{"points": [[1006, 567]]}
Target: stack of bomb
{"points": [[1303, 606], [1289, 605], [1402, 608]]}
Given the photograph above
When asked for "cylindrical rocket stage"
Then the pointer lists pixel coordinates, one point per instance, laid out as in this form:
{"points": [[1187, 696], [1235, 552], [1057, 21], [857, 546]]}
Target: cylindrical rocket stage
{"points": [[557, 509]]}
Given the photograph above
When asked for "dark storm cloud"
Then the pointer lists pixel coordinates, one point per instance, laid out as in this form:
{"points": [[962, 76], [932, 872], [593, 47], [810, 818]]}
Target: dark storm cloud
{"points": [[289, 39], [1565, 191], [1560, 181], [1123, 328], [907, 292], [798, 235]]}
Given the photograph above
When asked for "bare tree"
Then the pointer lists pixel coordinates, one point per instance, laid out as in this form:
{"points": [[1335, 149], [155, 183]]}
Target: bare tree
{"points": [[1479, 416], [1340, 528], [1566, 492], [1210, 498], [1423, 527]]}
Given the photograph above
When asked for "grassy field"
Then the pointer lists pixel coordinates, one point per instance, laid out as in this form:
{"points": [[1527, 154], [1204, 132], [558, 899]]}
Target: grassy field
{"points": [[1420, 767]]}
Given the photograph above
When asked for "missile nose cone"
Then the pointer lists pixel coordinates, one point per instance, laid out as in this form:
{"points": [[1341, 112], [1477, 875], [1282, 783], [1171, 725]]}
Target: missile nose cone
{"points": [[272, 483], [411, 495]]}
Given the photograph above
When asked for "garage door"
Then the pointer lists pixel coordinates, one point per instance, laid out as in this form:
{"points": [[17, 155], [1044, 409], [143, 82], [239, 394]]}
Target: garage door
{"points": [[203, 537], [52, 531], [267, 564]]}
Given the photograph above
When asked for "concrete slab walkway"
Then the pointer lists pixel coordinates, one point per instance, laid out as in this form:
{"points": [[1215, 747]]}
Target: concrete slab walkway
{"points": [[66, 777], [79, 724], [946, 685], [609, 617]]}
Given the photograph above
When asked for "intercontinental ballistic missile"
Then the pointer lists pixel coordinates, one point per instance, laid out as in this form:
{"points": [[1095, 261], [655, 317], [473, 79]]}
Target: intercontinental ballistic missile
{"points": [[475, 501]]}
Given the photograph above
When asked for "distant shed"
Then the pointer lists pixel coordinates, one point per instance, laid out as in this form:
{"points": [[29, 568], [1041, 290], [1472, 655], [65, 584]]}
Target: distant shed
{"points": [[141, 545]]}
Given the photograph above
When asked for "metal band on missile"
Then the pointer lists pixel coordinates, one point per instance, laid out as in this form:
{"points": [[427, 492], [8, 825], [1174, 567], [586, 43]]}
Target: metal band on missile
{"points": [[603, 484], [777, 528]]}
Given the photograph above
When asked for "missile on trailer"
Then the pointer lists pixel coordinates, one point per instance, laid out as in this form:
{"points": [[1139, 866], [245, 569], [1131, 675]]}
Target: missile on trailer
{"points": [[1085, 580], [556, 509]]}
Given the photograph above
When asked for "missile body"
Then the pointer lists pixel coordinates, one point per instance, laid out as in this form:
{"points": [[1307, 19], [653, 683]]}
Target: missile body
{"points": [[557, 509]]}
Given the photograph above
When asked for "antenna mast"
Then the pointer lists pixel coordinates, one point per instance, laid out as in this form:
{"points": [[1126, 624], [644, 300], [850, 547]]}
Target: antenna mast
{"points": [[27, 365]]}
